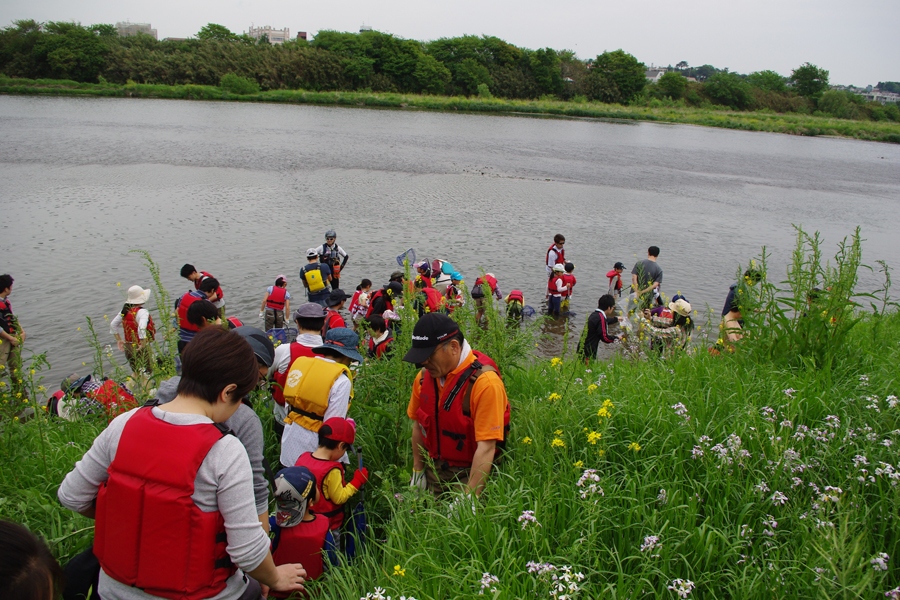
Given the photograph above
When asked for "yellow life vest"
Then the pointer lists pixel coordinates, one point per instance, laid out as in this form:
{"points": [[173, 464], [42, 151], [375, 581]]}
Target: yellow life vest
{"points": [[314, 280], [307, 388]]}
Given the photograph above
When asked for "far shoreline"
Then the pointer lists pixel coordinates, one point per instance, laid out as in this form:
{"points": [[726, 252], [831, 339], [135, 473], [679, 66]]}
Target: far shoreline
{"points": [[761, 121]]}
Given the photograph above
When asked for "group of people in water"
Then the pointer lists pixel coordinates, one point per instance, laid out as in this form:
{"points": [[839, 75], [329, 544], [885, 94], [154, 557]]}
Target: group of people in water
{"points": [[195, 522]]}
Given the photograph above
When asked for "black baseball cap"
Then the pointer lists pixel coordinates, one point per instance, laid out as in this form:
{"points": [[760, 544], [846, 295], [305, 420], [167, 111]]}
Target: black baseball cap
{"points": [[431, 331], [618, 265]]}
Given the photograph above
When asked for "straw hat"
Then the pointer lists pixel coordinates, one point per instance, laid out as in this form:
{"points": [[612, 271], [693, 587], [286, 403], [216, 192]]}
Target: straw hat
{"points": [[681, 306], [137, 295]]}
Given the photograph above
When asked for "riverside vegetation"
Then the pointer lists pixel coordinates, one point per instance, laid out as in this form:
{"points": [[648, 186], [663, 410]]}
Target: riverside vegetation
{"points": [[769, 471], [463, 73]]}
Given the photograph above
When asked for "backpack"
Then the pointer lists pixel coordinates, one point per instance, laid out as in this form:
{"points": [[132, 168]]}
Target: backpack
{"points": [[314, 279], [478, 291]]}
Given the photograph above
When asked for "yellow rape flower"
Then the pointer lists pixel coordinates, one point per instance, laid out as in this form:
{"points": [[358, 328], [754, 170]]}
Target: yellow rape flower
{"points": [[526, 440], [594, 437], [557, 443], [600, 453], [607, 403], [578, 464], [603, 413], [555, 362], [119, 284], [554, 396], [32, 371], [592, 387], [634, 446], [558, 432], [399, 571]]}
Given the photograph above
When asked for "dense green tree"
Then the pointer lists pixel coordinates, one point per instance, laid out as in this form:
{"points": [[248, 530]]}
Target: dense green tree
{"points": [[704, 72], [728, 89], [809, 80], [431, 75], [889, 86], [545, 69], [70, 51], [470, 73], [624, 74], [767, 80], [104, 30], [672, 84], [214, 31], [17, 44]]}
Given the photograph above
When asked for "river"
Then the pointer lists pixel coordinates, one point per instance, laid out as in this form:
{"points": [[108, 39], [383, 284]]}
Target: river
{"points": [[242, 190]]}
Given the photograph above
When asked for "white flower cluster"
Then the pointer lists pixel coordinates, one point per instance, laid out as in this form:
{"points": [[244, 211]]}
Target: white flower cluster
{"points": [[651, 544], [589, 484], [379, 595], [682, 411], [879, 561], [682, 587], [488, 582], [527, 518], [563, 582]]}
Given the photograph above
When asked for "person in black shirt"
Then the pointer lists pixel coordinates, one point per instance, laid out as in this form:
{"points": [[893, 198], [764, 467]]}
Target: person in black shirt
{"points": [[598, 328]]}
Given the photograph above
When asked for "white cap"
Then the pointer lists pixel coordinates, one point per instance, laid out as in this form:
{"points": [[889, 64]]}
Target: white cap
{"points": [[312, 253]]}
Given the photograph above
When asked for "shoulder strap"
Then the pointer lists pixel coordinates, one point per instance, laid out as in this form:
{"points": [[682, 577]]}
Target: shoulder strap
{"points": [[152, 402], [467, 397]]}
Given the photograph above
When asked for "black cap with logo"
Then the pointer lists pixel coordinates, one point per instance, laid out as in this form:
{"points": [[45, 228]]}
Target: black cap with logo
{"points": [[431, 331]]}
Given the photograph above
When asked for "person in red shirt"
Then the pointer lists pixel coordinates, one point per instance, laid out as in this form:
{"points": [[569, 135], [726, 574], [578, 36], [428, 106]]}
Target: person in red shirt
{"points": [[276, 304], [333, 318], [570, 282], [615, 279]]}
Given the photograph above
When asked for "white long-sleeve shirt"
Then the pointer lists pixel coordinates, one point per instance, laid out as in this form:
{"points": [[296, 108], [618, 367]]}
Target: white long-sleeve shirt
{"points": [[143, 319]]}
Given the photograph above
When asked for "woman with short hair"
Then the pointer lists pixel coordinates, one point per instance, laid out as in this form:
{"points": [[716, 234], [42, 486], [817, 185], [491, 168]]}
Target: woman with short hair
{"points": [[172, 491]]}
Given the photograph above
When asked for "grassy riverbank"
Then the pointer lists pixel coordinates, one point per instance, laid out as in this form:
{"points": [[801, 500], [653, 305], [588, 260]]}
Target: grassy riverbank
{"points": [[790, 123], [767, 472]]}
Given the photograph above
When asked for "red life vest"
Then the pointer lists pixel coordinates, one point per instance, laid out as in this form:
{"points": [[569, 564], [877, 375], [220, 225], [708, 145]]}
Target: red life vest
{"points": [[149, 533], [303, 543], [183, 306], [491, 281], [552, 286], [130, 325], [234, 322], [297, 350], [276, 299], [434, 301], [449, 432], [378, 350], [560, 256], [387, 303], [569, 280], [115, 398], [332, 319], [320, 469], [612, 275], [516, 296], [219, 293], [354, 302]]}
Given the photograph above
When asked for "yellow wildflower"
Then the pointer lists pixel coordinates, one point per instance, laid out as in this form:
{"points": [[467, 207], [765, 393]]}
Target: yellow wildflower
{"points": [[555, 362], [578, 464], [603, 413], [557, 443], [634, 446], [79, 329], [592, 387], [41, 388], [600, 453], [32, 371], [554, 396], [526, 440], [120, 283], [399, 571], [594, 437], [558, 432], [15, 418]]}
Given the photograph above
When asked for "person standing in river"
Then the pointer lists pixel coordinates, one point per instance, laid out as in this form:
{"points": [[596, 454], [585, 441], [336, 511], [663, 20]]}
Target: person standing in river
{"points": [[190, 273], [11, 337], [646, 276], [334, 256]]}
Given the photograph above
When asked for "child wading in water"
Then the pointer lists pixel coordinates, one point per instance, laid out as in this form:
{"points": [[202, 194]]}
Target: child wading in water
{"points": [[276, 304], [136, 325]]}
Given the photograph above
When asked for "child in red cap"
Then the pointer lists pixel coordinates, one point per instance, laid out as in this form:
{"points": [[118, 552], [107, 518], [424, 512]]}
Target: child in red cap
{"points": [[335, 437]]}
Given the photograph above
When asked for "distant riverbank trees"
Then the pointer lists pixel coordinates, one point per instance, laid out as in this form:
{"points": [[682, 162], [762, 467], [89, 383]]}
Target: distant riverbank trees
{"points": [[484, 66]]}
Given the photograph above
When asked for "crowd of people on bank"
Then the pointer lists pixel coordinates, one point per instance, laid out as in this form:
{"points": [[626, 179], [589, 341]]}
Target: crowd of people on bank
{"points": [[195, 522]]}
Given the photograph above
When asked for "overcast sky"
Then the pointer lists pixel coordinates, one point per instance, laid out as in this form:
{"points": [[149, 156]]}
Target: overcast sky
{"points": [[855, 41]]}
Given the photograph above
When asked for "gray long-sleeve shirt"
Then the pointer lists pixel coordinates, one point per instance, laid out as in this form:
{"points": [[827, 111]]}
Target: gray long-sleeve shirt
{"points": [[246, 426], [223, 483]]}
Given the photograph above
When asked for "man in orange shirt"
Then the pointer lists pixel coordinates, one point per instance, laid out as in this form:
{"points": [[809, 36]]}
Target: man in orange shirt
{"points": [[459, 406]]}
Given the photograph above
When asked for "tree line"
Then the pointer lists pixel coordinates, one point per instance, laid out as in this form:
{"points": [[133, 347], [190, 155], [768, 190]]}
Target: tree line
{"points": [[468, 65]]}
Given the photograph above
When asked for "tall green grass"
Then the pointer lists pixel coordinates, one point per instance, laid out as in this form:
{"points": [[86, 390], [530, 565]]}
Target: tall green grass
{"points": [[746, 474]]}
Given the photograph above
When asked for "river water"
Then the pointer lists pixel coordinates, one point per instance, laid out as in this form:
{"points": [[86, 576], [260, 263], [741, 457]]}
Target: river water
{"points": [[242, 190]]}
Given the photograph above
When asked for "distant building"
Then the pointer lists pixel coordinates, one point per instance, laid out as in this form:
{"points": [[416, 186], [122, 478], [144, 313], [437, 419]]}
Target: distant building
{"points": [[126, 29], [363, 28], [654, 73], [883, 97], [276, 36], [301, 35]]}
